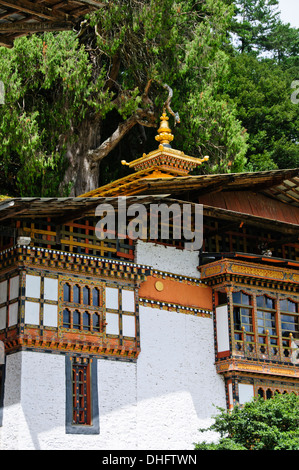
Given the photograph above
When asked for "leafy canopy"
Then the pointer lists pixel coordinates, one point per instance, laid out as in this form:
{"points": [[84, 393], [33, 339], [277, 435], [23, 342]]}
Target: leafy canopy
{"points": [[119, 61], [258, 425], [67, 93]]}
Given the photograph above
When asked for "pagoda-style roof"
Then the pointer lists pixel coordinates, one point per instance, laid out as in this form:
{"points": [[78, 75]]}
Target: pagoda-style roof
{"points": [[165, 159], [162, 163], [272, 195], [21, 17]]}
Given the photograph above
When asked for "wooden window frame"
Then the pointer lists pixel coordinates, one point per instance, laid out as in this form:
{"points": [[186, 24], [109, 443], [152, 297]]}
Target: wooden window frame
{"points": [[71, 306], [265, 345], [82, 408], [2, 382]]}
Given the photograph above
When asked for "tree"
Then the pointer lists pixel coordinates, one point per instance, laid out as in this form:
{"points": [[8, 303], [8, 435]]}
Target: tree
{"points": [[263, 66], [73, 99], [262, 92], [253, 22], [258, 425], [283, 44]]}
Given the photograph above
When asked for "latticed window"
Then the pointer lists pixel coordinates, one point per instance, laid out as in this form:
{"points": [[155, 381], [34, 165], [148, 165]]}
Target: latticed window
{"points": [[82, 307], [82, 409], [258, 322], [81, 394], [242, 305], [266, 321], [289, 318], [266, 315]]}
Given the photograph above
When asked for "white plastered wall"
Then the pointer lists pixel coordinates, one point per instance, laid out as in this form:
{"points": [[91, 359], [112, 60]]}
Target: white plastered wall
{"points": [[34, 406], [167, 258], [159, 402], [177, 380]]}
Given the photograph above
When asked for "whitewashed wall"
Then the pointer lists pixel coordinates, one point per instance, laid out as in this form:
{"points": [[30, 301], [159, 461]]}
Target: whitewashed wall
{"points": [[177, 380], [167, 258], [157, 403], [34, 407]]}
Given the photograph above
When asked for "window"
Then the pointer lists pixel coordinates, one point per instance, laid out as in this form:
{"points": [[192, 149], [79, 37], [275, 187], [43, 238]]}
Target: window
{"points": [[120, 312], [242, 309], [289, 318], [66, 292], [2, 374], [9, 302], [96, 322], [86, 295], [76, 294], [66, 318], [266, 322], [76, 320], [82, 307], [81, 394], [258, 324], [86, 321], [41, 301], [95, 297], [82, 410]]}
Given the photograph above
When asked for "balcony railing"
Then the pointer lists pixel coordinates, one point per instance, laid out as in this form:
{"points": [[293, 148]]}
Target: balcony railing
{"points": [[266, 347]]}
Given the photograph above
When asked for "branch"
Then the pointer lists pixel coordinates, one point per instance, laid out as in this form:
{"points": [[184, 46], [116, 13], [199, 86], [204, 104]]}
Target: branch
{"points": [[167, 104], [145, 118], [102, 151], [113, 72]]}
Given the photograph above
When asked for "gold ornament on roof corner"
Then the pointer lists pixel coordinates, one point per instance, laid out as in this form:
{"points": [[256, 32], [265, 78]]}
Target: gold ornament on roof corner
{"points": [[164, 132]]}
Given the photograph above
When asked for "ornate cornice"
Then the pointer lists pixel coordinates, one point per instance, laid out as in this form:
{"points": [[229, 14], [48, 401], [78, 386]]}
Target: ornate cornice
{"points": [[71, 262], [249, 273]]}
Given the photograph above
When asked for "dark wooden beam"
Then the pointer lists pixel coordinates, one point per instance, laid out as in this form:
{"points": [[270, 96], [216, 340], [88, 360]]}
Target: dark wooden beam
{"points": [[35, 9], [93, 3], [36, 27], [71, 215]]}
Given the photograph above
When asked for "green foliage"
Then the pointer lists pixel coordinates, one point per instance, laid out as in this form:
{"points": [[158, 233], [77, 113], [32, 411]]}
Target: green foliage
{"points": [[258, 425], [262, 93], [48, 89], [53, 84], [253, 22], [234, 104], [209, 122], [259, 83]]}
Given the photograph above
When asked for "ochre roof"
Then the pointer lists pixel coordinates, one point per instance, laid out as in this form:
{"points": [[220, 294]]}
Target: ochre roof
{"points": [[20, 17], [272, 195]]}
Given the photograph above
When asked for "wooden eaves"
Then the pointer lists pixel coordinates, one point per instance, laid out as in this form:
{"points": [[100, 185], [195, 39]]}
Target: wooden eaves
{"points": [[63, 210], [21, 17]]}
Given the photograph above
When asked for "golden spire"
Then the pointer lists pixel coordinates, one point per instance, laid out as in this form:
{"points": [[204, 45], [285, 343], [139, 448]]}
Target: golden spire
{"points": [[165, 160], [164, 132]]}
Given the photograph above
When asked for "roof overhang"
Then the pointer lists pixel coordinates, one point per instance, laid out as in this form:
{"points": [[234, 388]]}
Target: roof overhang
{"points": [[21, 17], [63, 210]]}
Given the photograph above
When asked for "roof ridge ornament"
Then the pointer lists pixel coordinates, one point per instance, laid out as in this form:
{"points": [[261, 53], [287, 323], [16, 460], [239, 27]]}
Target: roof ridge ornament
{"points": [[164, 132], [165, 161]]}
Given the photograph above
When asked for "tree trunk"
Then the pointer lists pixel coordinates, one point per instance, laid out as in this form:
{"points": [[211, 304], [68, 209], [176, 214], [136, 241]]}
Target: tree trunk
{"points": [[82, 174], [85, 154]]}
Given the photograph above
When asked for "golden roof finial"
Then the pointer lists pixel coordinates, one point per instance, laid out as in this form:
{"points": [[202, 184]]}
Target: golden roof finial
{"points": [[164, 132]]}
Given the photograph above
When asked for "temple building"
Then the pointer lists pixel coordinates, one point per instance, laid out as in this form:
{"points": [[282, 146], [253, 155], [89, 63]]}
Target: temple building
{"points": [[118, 338]]}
